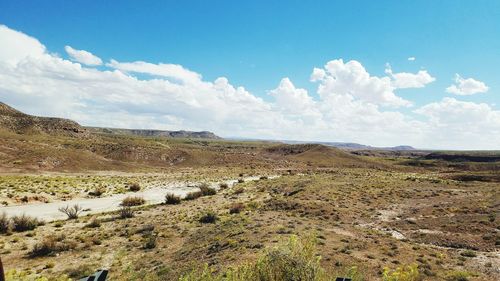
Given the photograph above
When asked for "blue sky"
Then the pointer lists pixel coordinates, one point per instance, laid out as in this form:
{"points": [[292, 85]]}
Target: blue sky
{"points": [[255, 44]]}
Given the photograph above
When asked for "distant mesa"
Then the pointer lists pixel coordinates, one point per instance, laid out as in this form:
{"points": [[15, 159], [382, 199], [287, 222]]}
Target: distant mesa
{"points": [[156, 133], [18, 122]]}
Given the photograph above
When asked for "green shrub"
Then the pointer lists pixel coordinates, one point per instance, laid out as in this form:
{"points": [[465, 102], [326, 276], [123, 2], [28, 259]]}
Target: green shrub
{"points": [[403, 273], [457, 276], [133, 201], [172, 199], [468, 253], [24, 223], [295, 260]]}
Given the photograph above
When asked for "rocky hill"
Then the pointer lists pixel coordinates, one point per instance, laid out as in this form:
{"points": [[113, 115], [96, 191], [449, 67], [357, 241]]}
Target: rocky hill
{"points": [[15, 121]]}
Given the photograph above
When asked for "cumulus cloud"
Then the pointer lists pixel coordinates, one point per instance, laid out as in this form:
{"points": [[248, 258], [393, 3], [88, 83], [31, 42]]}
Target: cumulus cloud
{"points": [[404, 80], [82, 56], [463, 124], [411, 58], [351, 78], [350, 104], [17, 46], [465, 87]]}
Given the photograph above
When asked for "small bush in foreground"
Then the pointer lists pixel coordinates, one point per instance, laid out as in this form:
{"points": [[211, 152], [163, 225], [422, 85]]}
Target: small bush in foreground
{"points": [[126, 212], [134, 187], [208, 217], [133, 201], [295, 260], [72, 212], [51, 245], [4, 223], [172, 199], [24, 223]]}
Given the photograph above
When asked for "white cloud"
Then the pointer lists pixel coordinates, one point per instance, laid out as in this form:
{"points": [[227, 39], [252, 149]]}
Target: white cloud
{"points": [[351, 78], [16, 46], [465, 87], [411, 58], [83, 56], [172, 71], [463, 124], [404, 80], [349, 105]]}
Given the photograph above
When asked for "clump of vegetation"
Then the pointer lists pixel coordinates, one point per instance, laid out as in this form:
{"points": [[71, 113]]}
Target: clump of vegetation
{"points": [[468, 253], [241, 180], [27, 275], [236, 208], [206, 190], [4, 223], [193, 195], [208, 217], [150, 241], [126, 212], [223, 185], [24, 223], [134, 187], [51, 245], [172, 199], [457, 276], [94, 223], [295, 260], [403, 273], [72, 212], [98, 191], [133, 201]]}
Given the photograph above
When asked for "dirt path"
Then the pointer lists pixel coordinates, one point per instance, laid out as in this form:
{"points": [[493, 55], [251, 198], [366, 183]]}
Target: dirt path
{"points": [[155, 195]]}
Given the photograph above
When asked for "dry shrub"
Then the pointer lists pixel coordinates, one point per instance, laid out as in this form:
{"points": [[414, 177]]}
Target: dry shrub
{"points": [[98, 191], [51, 245], [134, 187], [72, 212], [172, 199], [206, 190], [133, 201], [126, 212], [4, 223], [24, 223], [193, 195], [208, 217], [236, 208]]}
